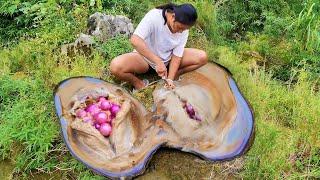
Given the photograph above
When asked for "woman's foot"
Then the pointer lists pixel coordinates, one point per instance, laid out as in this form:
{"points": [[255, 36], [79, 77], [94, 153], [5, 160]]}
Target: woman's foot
{"points": [[141, 84]]}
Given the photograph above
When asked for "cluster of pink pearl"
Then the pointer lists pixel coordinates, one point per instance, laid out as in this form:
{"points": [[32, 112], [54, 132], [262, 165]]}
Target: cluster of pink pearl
{"points": [[100, 114], [191, 112]]}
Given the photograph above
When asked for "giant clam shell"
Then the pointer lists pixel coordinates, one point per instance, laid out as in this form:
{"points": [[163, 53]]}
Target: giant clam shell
{"points": [[226, 129]]}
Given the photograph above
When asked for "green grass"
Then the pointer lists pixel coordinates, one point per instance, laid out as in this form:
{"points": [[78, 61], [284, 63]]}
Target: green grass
{"points": [[27, 119], [278, 76], [286, 121]]}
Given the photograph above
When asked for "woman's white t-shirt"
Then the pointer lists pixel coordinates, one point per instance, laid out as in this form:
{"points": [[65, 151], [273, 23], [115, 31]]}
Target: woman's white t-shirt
{"points": [[158, 37]]}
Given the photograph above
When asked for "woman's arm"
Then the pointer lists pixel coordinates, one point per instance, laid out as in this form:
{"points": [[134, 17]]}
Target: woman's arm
{"points": [[176, 57], [174, 66], [140, 45]]}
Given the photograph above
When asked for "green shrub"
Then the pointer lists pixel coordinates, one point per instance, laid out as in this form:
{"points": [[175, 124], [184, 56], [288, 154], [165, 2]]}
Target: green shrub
{"points": [[115, 47], [305, 28]]}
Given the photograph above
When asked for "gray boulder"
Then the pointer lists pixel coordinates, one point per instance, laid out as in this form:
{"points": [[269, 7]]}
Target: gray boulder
{"points": [[83, 43], [101, 27], [104, 26]]}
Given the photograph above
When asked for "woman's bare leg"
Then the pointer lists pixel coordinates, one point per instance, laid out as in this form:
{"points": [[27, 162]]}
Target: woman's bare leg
{"points": [[192, 59], [125, 66]]}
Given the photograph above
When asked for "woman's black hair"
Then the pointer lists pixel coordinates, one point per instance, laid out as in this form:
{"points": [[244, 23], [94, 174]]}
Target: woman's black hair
{"points": [[184, 13]]}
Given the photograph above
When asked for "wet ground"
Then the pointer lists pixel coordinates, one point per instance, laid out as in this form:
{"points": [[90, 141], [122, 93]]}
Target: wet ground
{"points": [[174, 164], [6, 169], [165, 164]]}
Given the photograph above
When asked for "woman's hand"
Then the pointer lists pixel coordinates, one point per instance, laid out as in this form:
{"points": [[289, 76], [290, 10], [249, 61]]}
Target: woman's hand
{"points": [[161, 69], [169, 84]]}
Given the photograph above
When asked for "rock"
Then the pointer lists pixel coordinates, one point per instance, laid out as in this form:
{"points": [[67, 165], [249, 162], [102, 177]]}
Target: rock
{"points": [[100, 27], [104, 26], [83, 43], [84, 40]]}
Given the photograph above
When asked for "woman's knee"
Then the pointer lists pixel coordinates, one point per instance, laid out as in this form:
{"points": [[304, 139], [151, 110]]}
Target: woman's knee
{"points": [[203, 57], [115, 67]]}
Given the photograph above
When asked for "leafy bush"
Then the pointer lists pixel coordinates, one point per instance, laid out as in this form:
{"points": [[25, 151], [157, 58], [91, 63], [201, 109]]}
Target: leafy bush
{"points": [[20, 17], [115, 47], [305, 28]]}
